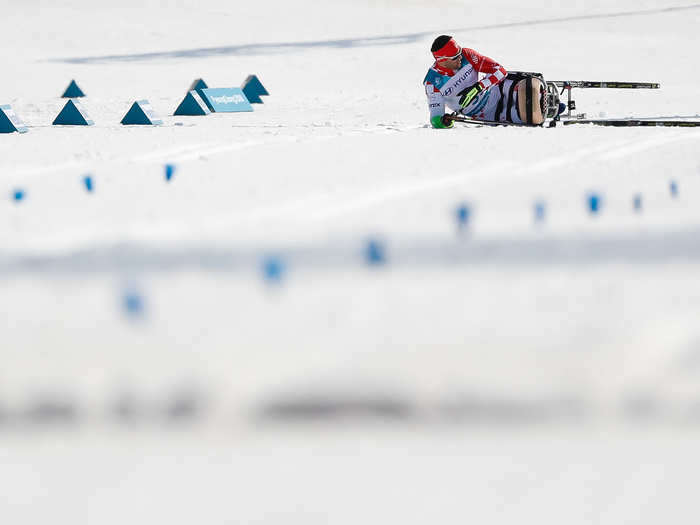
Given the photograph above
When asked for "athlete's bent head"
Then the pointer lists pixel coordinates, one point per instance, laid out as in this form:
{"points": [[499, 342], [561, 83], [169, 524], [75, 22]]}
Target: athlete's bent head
{"points": [[447, 52]]}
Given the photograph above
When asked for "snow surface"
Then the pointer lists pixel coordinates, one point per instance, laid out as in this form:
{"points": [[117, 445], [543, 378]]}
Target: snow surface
{"points": [[512, 372]]}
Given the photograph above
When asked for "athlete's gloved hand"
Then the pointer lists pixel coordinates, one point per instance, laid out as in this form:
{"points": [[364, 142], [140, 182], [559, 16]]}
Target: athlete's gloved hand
{"points": [[442, 122], [466, 96]]}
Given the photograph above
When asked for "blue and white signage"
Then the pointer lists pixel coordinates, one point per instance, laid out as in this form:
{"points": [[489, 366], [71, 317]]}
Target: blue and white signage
{"points": [[10, 121], [226, 100], [141, 113], [148, 110]]}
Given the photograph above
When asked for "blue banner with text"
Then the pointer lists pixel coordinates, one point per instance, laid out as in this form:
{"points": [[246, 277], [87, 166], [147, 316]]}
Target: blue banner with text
{"points": [[226, 100]]}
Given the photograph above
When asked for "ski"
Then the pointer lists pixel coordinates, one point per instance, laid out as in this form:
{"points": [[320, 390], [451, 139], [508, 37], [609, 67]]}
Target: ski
{"points": [[469, 120], [583, 84], [635, 122], [568, 85]]}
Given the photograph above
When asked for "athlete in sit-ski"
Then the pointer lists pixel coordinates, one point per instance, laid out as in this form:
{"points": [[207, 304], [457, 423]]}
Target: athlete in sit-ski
{"points": [[476, 86]]}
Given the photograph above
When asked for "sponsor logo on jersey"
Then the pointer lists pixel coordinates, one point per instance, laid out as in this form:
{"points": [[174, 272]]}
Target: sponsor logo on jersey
{"points": [[458, 81]]}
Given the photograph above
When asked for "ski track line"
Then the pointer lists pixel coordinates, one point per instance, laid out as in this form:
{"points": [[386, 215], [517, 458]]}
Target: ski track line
{"points": [[191, 153], [226, 148], [172, 229], [325, 206], [645, 145], [183, 154], [272, 48], [154, 156], [406, 191], [328, 208], [159, 155], [180, 154], [29, 171], [195, 152], [569, 158], [387, 195], [225, 222]]}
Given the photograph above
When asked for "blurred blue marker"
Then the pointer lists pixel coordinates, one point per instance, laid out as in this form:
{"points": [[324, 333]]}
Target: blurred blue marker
{"points": [[87, 180], [169, 171], [18, 195], [637, 203], [375, 253], [273, 269], [133, 303], [594, 203], [462, 214], [540, 211], [673, 187]]}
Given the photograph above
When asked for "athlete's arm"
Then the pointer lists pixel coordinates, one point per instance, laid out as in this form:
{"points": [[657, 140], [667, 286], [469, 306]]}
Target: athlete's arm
{"points": [[495, 72], [436, 106]]}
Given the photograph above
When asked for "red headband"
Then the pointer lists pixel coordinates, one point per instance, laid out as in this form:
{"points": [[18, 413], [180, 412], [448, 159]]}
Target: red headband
{"points": [[449, 50]]}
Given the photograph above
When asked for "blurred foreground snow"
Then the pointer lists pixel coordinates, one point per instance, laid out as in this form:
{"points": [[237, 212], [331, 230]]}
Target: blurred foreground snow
{"points": [[512, 371]]}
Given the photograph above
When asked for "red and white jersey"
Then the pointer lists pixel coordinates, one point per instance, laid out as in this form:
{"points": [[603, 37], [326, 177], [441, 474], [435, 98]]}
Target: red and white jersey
{"points": [[443, 85]]}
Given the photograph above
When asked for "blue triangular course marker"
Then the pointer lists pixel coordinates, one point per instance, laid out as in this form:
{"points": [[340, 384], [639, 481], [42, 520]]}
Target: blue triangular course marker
{"points": [[141, 113], [253, 89], [192, 105], [252, 96], [254, 82], [10, 121], [73, 91], [198, 84], [73, 114]]}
